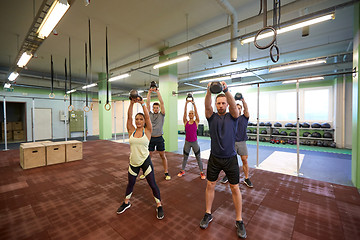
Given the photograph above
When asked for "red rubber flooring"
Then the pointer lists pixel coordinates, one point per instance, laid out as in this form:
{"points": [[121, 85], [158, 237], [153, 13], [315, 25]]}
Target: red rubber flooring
{"points": [[78, 200]]}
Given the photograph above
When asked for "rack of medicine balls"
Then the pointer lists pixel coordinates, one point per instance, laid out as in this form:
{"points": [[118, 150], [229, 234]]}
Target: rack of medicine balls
{"points": [[316, 134]]}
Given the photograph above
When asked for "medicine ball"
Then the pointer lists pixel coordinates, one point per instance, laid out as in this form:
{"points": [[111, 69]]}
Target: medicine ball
{"points": [[333, 145], [302, 142], [320, 143], [263, 132], [216, 87], [289, 125], [315, 125], [263, 139], [328, 135], [262, 124], [250, 124], [283, 141], [277, 141], [248, 131], [305, 125], [325, 125], [272, 141], [307, 143], [275, 132], [268, 124], [300, 125], [277, 124], [254, 131], [292, 134], [316, 135], [306, 134], [283, 133]]}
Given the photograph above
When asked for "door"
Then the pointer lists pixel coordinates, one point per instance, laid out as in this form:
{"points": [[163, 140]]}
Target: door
{"points": [[43, 123]]}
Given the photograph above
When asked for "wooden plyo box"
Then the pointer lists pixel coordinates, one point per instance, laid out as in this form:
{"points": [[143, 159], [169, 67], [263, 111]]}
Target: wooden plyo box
{"points": [[55, 152], [73, 150], [17, 126], [18, 134], [8, 126], [9, 135], [32, 155]]}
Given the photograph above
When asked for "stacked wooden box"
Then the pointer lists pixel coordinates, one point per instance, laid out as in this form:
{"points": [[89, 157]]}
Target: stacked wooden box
{"points": [[44, 153], [14, 131]]}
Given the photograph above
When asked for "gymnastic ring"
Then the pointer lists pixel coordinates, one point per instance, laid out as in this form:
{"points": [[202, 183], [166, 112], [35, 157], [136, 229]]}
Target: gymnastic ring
{"points": [[259, 32], [277, 53], [107, 106], [66, 97], [86, 108], [51, 95], [71, 108]]}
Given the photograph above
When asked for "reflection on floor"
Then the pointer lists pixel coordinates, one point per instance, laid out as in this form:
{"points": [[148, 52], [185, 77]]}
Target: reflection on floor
{"points": [[78, 200]]}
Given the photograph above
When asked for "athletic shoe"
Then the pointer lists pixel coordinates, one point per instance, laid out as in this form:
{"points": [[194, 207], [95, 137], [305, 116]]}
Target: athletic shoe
{"points": [[248, 182], [123, 207], [241, 232], [167, 176], [224, 180], [181, 173], [204, 223], [202, 175], [142, 176], [159, 212]]}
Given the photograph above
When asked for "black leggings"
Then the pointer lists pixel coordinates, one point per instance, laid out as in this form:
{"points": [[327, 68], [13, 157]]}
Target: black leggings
{"points": [[148, 171]]}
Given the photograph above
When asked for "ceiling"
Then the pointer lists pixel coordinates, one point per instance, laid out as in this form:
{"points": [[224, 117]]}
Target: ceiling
{"points": [[138, 29]]}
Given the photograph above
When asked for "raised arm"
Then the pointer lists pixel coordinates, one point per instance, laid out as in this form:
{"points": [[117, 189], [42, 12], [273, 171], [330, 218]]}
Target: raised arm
{"points": [[233, 110], [246, 110], [185, 111], [148, 125], [197, 119], [208, 108], [148, 100], [162, 106], [129, 125]]}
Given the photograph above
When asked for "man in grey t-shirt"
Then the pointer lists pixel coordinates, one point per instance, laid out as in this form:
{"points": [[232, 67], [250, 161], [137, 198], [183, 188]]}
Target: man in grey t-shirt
{"points": [[157, 120]]}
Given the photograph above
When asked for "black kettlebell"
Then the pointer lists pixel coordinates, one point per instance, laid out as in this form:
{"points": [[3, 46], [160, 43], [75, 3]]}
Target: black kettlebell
{"points": [[134, 94], [216, 87], [153, 85], [238, 96], [189, 97]]}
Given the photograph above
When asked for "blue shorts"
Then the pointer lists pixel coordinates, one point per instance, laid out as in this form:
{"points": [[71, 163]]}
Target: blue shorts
{"points": [[158, 143]]}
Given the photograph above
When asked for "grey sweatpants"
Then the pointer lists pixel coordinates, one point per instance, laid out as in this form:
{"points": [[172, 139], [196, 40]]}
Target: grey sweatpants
{"points": [[196, 149]]}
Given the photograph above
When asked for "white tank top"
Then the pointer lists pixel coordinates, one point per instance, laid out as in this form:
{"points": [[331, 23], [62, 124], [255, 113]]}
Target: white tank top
{"points": [[139, 149]]}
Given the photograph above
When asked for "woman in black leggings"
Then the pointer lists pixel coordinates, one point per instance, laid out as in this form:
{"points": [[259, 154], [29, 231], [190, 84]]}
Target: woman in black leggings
{"points": [[139, 139]]}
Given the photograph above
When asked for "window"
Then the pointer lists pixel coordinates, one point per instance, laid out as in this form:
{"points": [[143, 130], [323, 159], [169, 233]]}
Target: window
{"points": [[316, 104], [286, 106]]}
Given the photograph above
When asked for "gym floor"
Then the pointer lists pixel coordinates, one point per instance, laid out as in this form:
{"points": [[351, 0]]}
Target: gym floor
{"points": [[78, 200]]}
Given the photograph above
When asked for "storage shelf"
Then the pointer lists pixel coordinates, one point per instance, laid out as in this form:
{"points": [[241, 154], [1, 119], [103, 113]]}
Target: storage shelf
{"points": [[294, 128]]}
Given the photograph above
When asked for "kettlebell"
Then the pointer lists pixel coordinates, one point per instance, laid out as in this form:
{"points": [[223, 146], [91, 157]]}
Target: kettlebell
{"points": [[189, 97], [216, 87], [153, 85], [238, 96], [134, 94]]}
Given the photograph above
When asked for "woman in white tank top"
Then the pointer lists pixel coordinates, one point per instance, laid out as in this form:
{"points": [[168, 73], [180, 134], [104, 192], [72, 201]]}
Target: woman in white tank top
{"points": [[139, 138]]}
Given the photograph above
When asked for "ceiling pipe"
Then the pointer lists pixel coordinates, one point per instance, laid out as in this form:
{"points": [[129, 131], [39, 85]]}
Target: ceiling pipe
{"points": [[285, 9], [233, 27]]}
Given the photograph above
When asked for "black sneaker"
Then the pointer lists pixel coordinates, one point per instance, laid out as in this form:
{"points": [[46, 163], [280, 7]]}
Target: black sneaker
{"points": [[241, 232], [204, 223], [224, 180], [123, 207], [160, 212], [248, 182]]}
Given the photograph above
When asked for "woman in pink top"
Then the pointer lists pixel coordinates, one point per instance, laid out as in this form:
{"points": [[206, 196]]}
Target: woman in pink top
{"points": [[191, 126]]}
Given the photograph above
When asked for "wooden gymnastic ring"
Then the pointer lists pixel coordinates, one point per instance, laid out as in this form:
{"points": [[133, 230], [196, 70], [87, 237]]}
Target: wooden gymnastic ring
{"points": [[277, 53], [107, 108], [71, 108], [259, 32], [51, 95], [66, 97], [86, 108]]}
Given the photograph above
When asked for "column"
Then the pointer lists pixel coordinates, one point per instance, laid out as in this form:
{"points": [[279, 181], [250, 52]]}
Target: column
{"points": [[105, 120], [167, 84]]}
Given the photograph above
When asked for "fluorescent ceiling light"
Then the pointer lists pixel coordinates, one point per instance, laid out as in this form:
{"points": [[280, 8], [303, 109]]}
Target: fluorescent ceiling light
{"points": [[7, 85], [55, 13], [292, 27], [89, 86], [216, 79], [140, 91], [198, 92], [13, 76], [297, 65], [24, 59], [71, 91], [125, 75], [172, 61], [303, 80], [244, 74]]}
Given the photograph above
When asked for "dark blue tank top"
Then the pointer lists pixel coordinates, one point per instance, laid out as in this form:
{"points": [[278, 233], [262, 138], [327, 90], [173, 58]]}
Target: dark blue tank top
{"points": [[222, 133], [241, 129]]}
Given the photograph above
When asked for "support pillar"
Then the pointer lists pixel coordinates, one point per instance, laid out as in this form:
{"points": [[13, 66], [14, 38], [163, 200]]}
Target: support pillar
{"points": [[105, 120], [168, 78], [355, 161]]}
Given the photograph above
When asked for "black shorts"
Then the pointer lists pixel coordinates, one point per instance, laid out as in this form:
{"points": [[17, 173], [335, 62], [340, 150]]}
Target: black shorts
{"points": [[229, 165], [157, 142]]}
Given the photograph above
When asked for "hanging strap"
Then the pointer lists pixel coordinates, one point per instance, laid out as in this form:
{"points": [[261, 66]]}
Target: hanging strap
{"points": [[52, 95], [107, 105], [70, 107], [86, 107], [66, 95]]}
